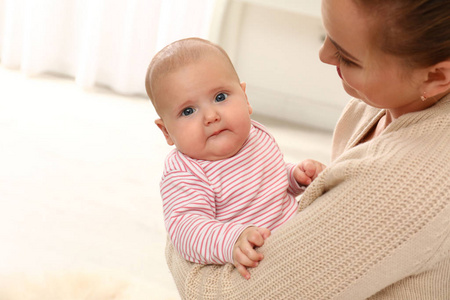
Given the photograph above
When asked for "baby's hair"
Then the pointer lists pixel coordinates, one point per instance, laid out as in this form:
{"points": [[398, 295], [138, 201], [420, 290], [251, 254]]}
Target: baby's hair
{"points": [[179, 54]]}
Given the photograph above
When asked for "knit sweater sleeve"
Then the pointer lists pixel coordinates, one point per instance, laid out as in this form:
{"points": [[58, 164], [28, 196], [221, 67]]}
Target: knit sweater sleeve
{"points": [[376, 216]]}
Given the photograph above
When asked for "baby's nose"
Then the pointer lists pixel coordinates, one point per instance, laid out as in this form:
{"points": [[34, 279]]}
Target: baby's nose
{"points": [[211, 116]]}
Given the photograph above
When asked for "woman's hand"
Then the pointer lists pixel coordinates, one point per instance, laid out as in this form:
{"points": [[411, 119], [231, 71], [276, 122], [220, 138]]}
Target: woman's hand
{"points": [[244, 253]]}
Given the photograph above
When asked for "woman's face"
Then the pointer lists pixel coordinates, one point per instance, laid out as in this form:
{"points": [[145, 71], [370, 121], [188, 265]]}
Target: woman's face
{"points": [[379, 79]]}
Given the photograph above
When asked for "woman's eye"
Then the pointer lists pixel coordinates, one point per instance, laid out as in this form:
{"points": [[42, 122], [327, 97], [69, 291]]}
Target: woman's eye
{"points": [[343, 60], [187, 111], [220, 97]]}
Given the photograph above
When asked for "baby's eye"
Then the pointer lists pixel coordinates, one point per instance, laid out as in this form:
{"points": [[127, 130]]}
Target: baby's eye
{"points": [[221, 97], [187, 111]]}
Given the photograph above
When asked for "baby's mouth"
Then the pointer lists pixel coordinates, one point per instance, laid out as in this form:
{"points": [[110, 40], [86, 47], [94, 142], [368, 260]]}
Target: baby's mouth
{"points": [[217, 132]]}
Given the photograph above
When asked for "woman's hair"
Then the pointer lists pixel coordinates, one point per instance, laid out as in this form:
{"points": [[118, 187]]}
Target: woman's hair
{"points": [[416, 30], [179, 54]]}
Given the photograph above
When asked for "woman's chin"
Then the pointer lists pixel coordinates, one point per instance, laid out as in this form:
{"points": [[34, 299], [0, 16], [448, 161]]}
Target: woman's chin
{"points": [[350, 91]]}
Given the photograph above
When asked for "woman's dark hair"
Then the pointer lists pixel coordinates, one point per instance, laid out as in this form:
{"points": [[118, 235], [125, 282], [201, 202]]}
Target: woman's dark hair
{"points": [[417, 30]]}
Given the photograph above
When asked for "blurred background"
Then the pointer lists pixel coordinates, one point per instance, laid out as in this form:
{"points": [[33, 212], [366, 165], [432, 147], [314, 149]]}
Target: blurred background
{"points": [[273, 44], [80, 157]]}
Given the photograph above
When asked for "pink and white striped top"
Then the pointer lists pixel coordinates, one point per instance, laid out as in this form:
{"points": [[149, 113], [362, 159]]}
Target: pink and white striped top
{"points": [[207, 204]]}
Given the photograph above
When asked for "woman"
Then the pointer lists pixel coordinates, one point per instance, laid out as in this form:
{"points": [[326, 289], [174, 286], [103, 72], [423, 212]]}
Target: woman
{"points": [[376, 223]]}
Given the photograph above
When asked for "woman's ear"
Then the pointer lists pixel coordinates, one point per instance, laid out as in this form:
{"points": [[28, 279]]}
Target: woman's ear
{"points": [[438, 79], [244, 87], [160, 124]]}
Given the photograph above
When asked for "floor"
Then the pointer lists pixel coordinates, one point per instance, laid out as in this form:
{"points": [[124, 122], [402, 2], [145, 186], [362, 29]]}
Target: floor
{"points": [[79, 174]]}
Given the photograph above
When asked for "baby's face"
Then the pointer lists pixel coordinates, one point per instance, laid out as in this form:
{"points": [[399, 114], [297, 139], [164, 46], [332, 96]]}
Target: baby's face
{"points": [[204, 109]]}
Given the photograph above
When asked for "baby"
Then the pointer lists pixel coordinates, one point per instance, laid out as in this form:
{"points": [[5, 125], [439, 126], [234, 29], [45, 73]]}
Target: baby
{"points": [[225, 187]]}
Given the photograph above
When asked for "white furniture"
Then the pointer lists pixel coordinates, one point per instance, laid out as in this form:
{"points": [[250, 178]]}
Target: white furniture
{"points": [[274, 45]]}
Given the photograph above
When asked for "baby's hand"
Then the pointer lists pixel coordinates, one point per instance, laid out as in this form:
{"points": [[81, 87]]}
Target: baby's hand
{"points": [[307, 171], [244, 253]]}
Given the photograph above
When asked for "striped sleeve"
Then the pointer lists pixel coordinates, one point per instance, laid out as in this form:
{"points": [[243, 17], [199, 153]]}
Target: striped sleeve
{"points": [[189, 211], [294, 188]]}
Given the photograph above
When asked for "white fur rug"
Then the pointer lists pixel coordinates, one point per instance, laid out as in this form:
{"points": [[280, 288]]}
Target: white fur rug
{"points": [[73, 286]]}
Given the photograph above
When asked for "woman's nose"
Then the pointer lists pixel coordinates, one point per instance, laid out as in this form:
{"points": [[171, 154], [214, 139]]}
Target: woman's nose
{"points": [[327, 53]]}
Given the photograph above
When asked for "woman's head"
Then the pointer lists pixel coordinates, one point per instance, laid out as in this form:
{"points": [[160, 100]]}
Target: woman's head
{"points": [[378, 50], [418, 31]]}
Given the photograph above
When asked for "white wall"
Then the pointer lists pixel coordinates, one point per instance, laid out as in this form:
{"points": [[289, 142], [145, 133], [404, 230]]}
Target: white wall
{"points": [[276, 52]]}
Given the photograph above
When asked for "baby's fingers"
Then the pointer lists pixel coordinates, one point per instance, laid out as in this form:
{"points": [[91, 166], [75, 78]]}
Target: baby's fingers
{"points": [[241, 261], [247, 257], [243, 271], [302, 178], [257, 236], [309, 167], [265, 233]]}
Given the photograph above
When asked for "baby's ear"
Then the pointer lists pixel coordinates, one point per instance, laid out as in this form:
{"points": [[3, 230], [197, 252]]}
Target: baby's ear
{"points": [[160, 124], [244, 87], [438, 79]]}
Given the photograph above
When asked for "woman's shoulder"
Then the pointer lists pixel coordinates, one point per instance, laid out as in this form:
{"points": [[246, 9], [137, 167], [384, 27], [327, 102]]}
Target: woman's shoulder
{"points": [[356, 118], [357, 108], [424, 129]]}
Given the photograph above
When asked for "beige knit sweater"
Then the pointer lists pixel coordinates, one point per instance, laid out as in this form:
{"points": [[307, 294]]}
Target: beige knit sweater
{"points": [[375, 224]]}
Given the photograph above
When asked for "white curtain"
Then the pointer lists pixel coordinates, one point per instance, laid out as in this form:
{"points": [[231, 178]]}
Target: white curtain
{"points": [[97, 42]]}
